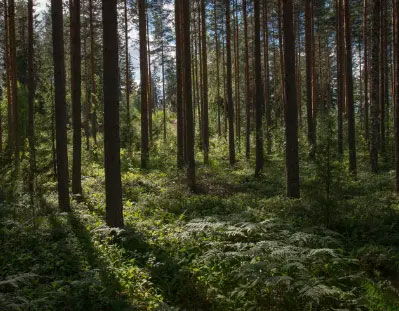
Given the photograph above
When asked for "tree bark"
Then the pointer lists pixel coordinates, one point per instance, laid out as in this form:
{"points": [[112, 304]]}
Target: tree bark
{"points": [[396, 105], [60, 105], [230, 104], [267, 104], [247, 98], [218, 99], [366, 73], [31, 98], [127, 78], [93, 93], [113, 184], [291, 110]]}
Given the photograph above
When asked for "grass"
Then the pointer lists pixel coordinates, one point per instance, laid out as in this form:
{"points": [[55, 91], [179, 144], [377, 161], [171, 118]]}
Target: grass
{"points": [[237, 244]]}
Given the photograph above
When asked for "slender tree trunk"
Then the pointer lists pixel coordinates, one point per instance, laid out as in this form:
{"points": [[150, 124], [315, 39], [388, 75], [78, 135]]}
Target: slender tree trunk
{"points": [[217, 69], [291, 110], [113, 184], [187, 94], [349, 92], [267, 103], [163, 82], [93, 94], [383, 69], [225, 100], [237, 75], [8, 75], [60, 104], [247, 98], [396, 48], [375, 81], [366, 73], [309, 92], [281, 49], [144, 83], [127, 78], [53, 143], [150, 98], [259, 91], [76, 95], [31, 98], [87, 97], [205, 121], [340, 78], [230, 104]]}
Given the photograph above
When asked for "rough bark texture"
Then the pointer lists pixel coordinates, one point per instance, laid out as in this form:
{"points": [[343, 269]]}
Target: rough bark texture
{"points": [[205, 121], [113, 184], [229, 88], [31, 98], [267, 104], [93, 93], [13, 79], [127, 78], [60, 105], [75, 95], [366, 73], [291, 110], [396, 45], [144, 83]]}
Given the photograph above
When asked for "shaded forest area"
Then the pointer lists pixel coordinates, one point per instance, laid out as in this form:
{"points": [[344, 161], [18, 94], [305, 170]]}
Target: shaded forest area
{"points": [[199, 155]]}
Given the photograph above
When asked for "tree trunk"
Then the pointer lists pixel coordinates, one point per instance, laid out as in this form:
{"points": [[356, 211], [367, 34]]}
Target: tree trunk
{"points": [[217, 70], [60, 105], [230, 104], [163, 83], [366, 73], [267, 105], [237, 75], [127, 78], [8, 75], [309, 93], [291, 110], [179, 85], [258, 91], [383, 68], [187, 94], [150, 99], [205, 121], [76, 94], [340, 78], [396, 49], [93, 95], [247, 98], [144, 83], [31, 98], [349, 92], [375, 81]]}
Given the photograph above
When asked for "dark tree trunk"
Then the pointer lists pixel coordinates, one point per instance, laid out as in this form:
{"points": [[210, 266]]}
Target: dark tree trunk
{"points": [[247, 87], [267, 103], [366, 74], [144, 83], [309, 92], [375, 82], [205, 121], [31, 98], [383, 68], [13, 75], [92, 73], [75, 95], [349, 92], [218, 99], [60, 105], [396, 48], [187, 93], [179, 86], [291, 110], [150, 97], [8, 74], [230, 104], [113, 184], [259, 92], [127, 78], [340, 77]]}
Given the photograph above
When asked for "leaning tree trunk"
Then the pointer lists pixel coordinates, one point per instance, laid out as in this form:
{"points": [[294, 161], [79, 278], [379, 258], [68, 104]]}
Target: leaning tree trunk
{"points": [[291, 109], [60, 105]]}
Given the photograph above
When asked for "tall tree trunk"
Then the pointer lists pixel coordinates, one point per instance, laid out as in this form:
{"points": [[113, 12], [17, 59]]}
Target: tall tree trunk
{"points": [[217, 69], [187, 94], [340, 77], [267, 104], [383, 69], [127, 78], [76, 94], [150, 99], [179, 85], [93, 94], [113, 184], [224, 80], [8, 75], [259, 91], [247, 98], [281, 49], [366, 73], [375, 81], [237, 75], [309, 93], [291, 110], [87, 96], [205, 121], [163, 81], [349, 92], [144, 83], [60, 104], [396, 49], [230, 104], [31, 98]]}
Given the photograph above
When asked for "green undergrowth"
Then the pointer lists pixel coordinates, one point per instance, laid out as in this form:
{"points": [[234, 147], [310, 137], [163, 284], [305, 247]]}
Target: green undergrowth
{"points": [[236, 244]]}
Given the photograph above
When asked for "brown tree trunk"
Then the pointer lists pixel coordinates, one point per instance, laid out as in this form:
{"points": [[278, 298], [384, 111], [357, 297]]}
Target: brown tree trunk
{"points": [[230, 103], [281, 49], [150, 98], [8, 75], [93, 95], [113, 184], [163, 83], [340, 78], [127, 78], [267, 104], [237, 75], [396, 49], [144, 83], [217, 69], [247, 98], [366, 73], [60, 104], [75, 95], [259, 91], [179, 85], [205, 121], [375, 82], [187, 94], [291, 110], [383, 68], [349, 92]]}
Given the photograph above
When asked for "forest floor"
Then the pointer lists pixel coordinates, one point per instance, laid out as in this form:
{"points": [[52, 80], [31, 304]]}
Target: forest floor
{"points": [[237, 244]]}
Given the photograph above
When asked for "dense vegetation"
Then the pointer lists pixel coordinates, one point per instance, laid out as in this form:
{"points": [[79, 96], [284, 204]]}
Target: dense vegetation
{"points": [[252, 164]]}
